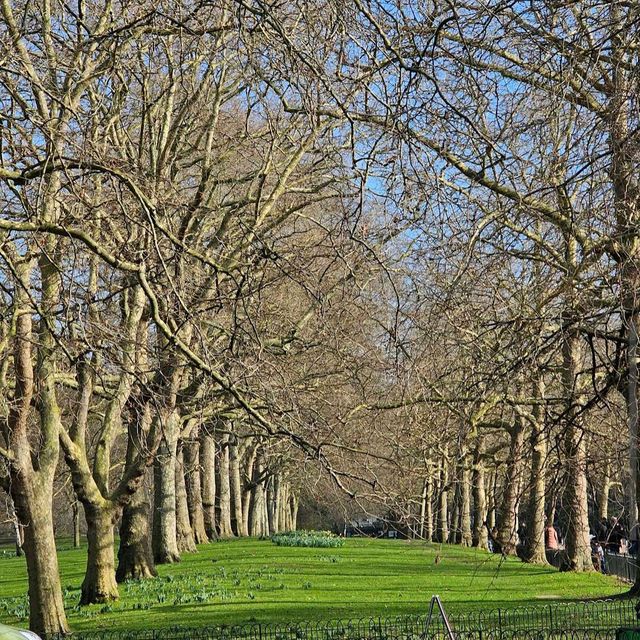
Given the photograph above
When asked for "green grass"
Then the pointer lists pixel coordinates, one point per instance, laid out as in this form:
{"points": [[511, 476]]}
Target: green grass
{"points": [[251, 580]]}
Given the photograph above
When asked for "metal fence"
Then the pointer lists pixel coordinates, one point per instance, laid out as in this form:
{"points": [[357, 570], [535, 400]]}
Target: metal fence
{"points": [[616, 564], [593, 620], [623, 566]]}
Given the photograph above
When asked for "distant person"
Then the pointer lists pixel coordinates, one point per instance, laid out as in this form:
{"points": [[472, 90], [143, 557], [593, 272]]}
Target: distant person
{"points": [[601, 531], [494, 545], [551, 537], [522, 534], [598, 557], [595, 557]]}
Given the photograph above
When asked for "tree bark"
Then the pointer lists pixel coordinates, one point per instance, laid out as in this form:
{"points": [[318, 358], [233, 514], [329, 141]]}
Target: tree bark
{"points": [[480, 538], [99, 583], [535, 517], [507, 521], [454, 526], [466, 537], [224, 490], [249, 461], [75, 507], [184, 533], [135, 557], [258, 503], [30, 486], [442, 525], [164, 541], [191, 454], [493, 498], [235, 487], [33, 498], [577, 543], [208, 481], [605, 490]]}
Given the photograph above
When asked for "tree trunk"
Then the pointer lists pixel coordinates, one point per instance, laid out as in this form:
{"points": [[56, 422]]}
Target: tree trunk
{"points": [[191, 455], [442, 526], [224, 490], [429, 509], [633, 411], [31, 488], [295, 504], [258, 506], [164, 541], [99, 583], [577, 543], [208, 481], [184, 533], [246, 501], [135, 557], [18, 533], [535, 516], [277, 499], [480, 538], [465, 504], [623, 171], [424, 497], [454, 526], [633, 391], [270, 504], [33, 498], [75, 506], [603, 494], [235, 486], [284, 516], [493, 499], [507, 522]]}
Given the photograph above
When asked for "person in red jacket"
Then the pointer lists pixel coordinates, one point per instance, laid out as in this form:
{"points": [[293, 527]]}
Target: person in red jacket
{"points": [[551, 537]]}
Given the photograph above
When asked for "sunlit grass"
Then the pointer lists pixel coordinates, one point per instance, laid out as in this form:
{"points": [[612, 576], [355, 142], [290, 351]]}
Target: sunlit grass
{"points": [[250, 580]]}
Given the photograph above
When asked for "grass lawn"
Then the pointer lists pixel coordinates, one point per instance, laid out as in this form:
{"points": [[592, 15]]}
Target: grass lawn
{"points": [[250, 580]]}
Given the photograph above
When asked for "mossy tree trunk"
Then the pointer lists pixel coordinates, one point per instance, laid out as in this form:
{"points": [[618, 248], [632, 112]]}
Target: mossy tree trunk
{"points": [[32, 461], [135, 558], [99, 584]]}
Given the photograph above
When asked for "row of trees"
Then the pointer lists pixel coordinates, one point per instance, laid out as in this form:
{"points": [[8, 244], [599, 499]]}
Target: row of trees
{"points": [[395, 241], [176, 258]]}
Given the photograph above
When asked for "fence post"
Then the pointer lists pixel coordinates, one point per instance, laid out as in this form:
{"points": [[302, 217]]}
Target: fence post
{"points": [[500, 623]]}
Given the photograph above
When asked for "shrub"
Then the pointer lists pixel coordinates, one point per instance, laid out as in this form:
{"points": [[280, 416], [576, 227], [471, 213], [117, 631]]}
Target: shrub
{"points": [[307, 539]]}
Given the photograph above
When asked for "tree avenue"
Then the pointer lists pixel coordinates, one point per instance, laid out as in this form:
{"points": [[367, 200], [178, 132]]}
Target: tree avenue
{"points": [[260, 262]]}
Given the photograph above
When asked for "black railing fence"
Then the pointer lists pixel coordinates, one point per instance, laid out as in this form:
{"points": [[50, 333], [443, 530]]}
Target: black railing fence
{"points": [[623, 566], [616, 564], [592, 620]]}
